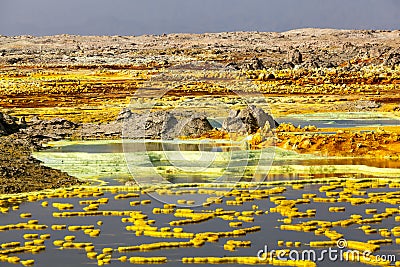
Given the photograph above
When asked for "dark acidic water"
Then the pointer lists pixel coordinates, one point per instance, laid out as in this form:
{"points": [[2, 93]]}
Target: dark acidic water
{"points": [[340, 123], [348, 120], [113, 232]]}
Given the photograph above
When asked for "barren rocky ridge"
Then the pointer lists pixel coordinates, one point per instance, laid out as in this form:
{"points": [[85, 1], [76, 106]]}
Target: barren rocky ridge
{"points": [[318, 47]]}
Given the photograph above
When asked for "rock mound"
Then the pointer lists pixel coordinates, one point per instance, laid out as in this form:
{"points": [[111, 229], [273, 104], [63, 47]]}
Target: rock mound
{"points": [[393, 59], [55, 129], [357, 106], [8, 124], [315, 63], [153, 125], [296, 57], [248, 120], [164, 125], [196, 125], [20, 172], [254, 64]]}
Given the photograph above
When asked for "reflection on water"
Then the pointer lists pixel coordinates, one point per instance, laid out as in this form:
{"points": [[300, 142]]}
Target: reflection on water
{"points": [[204, 161], [379, 163], [140, 147], [209, 147], [339, 123], [333, 120]]}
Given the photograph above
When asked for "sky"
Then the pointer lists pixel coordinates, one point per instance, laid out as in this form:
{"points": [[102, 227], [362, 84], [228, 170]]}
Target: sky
{"points": [[133, 17]]}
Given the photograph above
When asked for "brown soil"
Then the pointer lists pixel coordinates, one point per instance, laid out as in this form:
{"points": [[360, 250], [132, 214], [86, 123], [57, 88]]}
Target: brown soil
{"points": [[20, 172]]}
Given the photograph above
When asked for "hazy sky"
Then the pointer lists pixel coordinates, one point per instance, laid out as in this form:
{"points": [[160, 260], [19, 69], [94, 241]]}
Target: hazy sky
{"points": [[133, 17]]}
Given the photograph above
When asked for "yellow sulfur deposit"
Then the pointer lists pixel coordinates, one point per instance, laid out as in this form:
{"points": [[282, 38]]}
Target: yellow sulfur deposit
{"points": [[58, 243], [337, 209], [125, 196], [94, 233], [28, 262], [80, 227], [317, 244], [123, 258], [107, 250], [30, 236], [69, 238], [91, 255], [145, 202], [45, 236], [10, 245], [370, 211], [58, 227], [38, 242], [147, 260], [89, 248], [361, 246], [235, 224], [63, 206], [13, 259]]}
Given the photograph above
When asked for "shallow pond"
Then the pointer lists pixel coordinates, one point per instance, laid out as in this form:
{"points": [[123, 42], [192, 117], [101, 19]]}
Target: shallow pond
{"points": [[115, 162], [342, 119]]}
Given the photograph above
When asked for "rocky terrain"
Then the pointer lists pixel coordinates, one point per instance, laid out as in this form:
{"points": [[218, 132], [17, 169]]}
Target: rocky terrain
{"points": [[152, 125], [310, 48], [82, 87], [19, 171]]}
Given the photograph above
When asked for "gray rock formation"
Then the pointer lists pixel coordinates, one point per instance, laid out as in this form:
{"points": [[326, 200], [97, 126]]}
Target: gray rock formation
{"points": [[357, 106], [315, 63], [232, 66], [393, 59], [248, 120], [263, 118], [296, 57], [149, 125], [8, 124], [254, 64], [195, 125], [287, 65], [164, 125], [152, 125], [126, 113], [57, 128], [366, 105]]}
